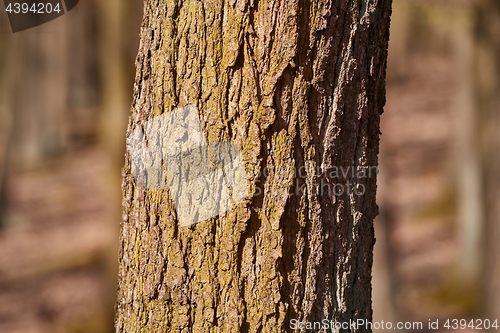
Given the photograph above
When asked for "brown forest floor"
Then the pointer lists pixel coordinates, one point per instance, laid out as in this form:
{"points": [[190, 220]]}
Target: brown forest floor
{"points": [[52, 268]]}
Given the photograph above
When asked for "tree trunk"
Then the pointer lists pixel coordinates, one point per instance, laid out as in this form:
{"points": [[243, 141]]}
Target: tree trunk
{"points": [[39, 86], [117, 78], [6, 118], [299, 87], [488, 107], [467, 156], [403, 12]]}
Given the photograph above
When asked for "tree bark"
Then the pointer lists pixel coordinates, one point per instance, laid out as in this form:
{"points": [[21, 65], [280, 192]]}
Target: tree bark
{"points": [[299, 86]]}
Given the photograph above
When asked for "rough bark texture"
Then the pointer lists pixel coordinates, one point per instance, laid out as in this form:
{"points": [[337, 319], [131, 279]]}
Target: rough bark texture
{"points": [[487, 82], [300, 86]]}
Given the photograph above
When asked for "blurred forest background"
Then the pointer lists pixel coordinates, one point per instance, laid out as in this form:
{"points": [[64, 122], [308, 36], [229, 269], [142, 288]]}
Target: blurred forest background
{"points": [[65, 95]]}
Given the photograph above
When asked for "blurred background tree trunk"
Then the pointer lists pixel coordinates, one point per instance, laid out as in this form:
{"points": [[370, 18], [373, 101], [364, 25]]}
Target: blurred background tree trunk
{"points": [[37, 85], [5, 117], [398, 56], [470, 209], [385, 278], [48, 92], [119, 25], [487, 78]]}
